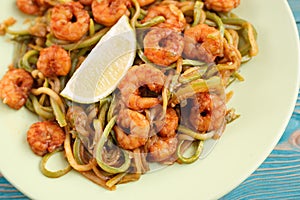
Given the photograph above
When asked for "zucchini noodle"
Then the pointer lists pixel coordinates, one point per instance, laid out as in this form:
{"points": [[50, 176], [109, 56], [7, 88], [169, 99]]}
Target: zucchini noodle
{"points": [[194, 55], [53, 174]]}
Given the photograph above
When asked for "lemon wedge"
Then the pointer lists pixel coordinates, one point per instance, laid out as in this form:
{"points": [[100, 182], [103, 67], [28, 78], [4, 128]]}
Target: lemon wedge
{"points": [[105, 66]]}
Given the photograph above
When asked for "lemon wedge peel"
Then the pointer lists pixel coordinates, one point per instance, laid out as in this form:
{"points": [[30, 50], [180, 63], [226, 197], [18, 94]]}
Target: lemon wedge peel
{"points": [[105, 66]]}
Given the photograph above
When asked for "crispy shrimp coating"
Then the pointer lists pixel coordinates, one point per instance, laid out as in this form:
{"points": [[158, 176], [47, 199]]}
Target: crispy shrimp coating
{"points": [[54, 61], [221, 5], [15, 87], [203, 42], [138, 129], [174, 18], [208, 112], [44, 137], [141, 76], [108, 12], [32, 7], [163, 46], [62, 21]]}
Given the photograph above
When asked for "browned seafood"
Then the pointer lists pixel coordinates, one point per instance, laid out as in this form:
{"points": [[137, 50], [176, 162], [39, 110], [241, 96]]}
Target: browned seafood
{"points": [[15, 87], [44, 137]]}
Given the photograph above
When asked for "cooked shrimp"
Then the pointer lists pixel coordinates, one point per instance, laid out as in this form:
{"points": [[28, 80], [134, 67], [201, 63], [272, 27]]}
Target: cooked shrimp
{"points": [[86, 2], [170, 124], [54, 61], [138, 127], [77, 118], [230, 61], [208, 112], [161, 148], [140, 76], [163, 46], [221, 5], [174, 18], [203, 42], [39, 28], [44, 137], [231, 55], [31, 7], [15, 87], [62, 21], [145, 2], [108, 12]]}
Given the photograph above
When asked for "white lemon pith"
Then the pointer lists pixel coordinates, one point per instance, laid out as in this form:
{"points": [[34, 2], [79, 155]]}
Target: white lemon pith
{"points": [[105, 66]]}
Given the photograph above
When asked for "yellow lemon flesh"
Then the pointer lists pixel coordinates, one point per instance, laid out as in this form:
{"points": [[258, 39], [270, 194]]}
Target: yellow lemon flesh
{"points": [[107, 63]]}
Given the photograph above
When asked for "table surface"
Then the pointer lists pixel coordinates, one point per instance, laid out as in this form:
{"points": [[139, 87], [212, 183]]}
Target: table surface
{"points": [[278, 177]]}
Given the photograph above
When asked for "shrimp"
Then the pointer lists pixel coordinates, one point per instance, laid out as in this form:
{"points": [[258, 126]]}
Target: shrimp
{"points": [[44, 137], [77, 119], [62, 21], [108, 12], [138, 127], [15, 87], [174, 18], [32, 7], [86, 2], [231, 56], [208, 112], [170, 124], [203, 42], [54, 61], [164, 144], [161, 148], [163, 46], [140, 76], [39, 27], [145, 2], [221, 5], [231, 60]]}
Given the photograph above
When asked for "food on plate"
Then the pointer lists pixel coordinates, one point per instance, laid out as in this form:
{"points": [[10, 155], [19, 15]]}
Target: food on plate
{"points": [[15, 87], [160, 98]]}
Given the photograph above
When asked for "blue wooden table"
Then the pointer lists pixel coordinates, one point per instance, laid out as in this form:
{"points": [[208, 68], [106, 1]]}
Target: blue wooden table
{"points": [[278, 177]]}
